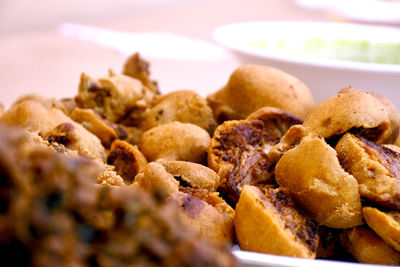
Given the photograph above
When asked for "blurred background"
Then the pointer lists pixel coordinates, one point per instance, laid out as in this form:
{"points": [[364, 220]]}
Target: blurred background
{"points": [[42, 54]]}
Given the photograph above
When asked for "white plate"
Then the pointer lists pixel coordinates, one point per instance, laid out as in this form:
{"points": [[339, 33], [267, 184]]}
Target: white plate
{"points": [[378, 11], [324, 76], [252, 259]]}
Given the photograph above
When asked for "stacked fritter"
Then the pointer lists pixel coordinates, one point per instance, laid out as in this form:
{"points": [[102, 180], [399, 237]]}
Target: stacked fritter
{"points": [[254, 163]]}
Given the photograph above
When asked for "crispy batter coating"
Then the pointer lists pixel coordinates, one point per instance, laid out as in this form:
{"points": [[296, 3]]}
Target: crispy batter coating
{"points": [[350, 111], [288, 141], [52, 214], [367, 247], [239, 150], [127, 159], [386, 224], [312, 173], [272, 223], [394, 118], [156, 179], [276, 121], [212, 219], [251, 87], [376, 168], [192, 174], [116, 97], [55, 127], [176, 141], [109, 177], [199, 208], [183, 106], [106, 131], [63, 104], [138, 68]]}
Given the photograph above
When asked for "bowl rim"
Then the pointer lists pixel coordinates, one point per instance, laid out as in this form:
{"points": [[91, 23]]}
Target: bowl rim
{"points": [[224, 36]]}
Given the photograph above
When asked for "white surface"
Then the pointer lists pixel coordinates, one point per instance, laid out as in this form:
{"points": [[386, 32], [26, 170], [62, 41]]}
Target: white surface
{"points": [[252, 259], [174, 46], [362, 10], [323, 76]]}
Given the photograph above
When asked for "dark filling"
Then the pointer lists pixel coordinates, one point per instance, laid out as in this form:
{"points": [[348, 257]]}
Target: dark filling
{"points": [[293, 217], [252, 167]]}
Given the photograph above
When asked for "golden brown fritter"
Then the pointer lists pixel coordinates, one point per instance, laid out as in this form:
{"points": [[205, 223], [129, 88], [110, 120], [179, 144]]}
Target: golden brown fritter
{"points": [[138, 68], [350, 111], [394, 118], [206, 213], [386, 224], [156, 179], [183, 106], [276, 121], [55, 127], [288, 141], [127, 159], [239, 150], [272, 223], [192, 174], [199, 208], [251, 87], [312, 173], [52, 214], [367, 247], [109, 177], [376, 168], [176, 141], [116, 97], [95, 124]]}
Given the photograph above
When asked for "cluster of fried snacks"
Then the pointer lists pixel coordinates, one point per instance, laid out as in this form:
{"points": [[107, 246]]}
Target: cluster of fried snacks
{"points": [[52, 214], [306, 181], [192, 187]]}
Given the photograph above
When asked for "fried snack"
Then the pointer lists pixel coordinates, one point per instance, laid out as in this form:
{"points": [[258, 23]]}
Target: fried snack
{"points": [[127, 159], [63, 104], [116, 97], [154, 178], [200, 209], [239, 150], [276, 121], [206, 213], [288, 141], [109, 177], [350, 111], [375, 167], [386, 224], [251, 87], [183, 106], [138, 68], [175, 141], [52, 214], [367, 247], [312, 173], [272, 223], [55, 127], [394, 118], [106, 131], [192, 174]]}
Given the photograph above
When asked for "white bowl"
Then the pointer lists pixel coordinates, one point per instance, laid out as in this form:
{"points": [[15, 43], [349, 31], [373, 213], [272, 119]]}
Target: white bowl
{"points": [[324, 76]]}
